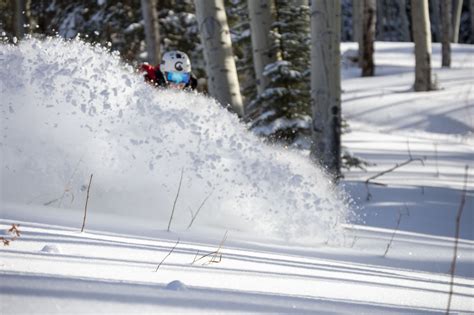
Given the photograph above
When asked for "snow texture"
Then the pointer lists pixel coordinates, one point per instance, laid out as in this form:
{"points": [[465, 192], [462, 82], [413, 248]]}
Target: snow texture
{"points": [[176, 285], [70, 110], [54, 249]]}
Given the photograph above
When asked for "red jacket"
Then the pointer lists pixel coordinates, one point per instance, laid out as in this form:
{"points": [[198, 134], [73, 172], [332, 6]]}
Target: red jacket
{"points": [[154, 76], [150, 75]]}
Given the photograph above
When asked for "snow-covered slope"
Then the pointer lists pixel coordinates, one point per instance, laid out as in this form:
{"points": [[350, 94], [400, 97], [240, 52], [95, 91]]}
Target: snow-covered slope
{"points": [[376, 267], [390, 123], [97, 272]]}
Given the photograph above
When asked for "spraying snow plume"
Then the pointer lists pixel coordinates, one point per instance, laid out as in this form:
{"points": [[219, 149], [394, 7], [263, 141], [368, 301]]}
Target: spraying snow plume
{"points": [[70, 109]]}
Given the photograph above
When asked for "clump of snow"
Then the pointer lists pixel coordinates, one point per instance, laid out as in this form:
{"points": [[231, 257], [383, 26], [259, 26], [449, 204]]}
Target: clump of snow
{"points": [[282, 123], [176, 285], [52, 249], [70, 110], [133, 27]]}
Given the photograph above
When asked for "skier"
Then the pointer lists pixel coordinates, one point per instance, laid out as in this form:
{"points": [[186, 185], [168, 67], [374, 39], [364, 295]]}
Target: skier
{"points": [[174, 72]]}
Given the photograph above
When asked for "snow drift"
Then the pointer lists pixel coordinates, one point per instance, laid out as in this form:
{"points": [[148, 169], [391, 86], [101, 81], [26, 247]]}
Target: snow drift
{"points": [[71, 109]]}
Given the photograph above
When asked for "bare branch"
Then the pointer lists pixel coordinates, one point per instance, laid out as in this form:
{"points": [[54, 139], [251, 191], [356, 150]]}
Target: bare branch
{"points": [[354, 241], [408, 149], [394, 232], [67, 188], [197, 211], [436, 159], [407, 210], [176, 199], [195, 257], [396, 166], [87, 201], [456, 240], [15, 231], [4, 241], [171, 251], [216, 255]]}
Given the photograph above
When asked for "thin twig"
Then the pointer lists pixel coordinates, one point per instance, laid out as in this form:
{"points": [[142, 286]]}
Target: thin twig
{"points": [[66, 189], [204, 256], [15, 231], [87, 201], [368, 180], [393, 234], [407, 210], [408, 149], [197, 211], [436, 159], [218, 251], [171, 251], [456, 240], [354, 241], [214, 254], [176, 199], [194, 260], [396, 229]]}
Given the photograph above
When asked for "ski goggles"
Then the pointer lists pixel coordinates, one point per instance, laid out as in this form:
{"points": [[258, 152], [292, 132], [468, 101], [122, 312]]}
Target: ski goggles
{"points": [[178, 77]]}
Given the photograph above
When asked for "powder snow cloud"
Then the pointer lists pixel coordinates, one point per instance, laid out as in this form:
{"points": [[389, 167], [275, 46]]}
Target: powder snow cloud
{"points": [[71, 109]]}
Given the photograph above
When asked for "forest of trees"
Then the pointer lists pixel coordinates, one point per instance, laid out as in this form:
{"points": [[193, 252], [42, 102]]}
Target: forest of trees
{"points": [[275, 63]]}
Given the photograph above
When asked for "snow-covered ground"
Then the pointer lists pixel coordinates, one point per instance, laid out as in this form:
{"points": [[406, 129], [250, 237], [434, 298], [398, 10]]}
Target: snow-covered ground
{"points": [[275, 252]]}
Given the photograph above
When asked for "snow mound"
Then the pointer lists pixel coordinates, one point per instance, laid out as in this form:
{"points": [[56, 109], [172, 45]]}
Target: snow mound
{"points": [[176, 285], [71, 109], [52, 249]]}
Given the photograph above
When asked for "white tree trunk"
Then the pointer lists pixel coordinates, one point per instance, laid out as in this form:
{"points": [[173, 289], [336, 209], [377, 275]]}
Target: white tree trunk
{"points": [[446, 10], [223, 82], [152, 30], [261, 19], [326, 83], [422, 38], [404, 23], [367, 38], [457, 9]]}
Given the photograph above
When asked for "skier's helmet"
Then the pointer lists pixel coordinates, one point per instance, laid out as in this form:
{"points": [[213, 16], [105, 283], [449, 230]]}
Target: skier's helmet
{"points": [[176, 66]]}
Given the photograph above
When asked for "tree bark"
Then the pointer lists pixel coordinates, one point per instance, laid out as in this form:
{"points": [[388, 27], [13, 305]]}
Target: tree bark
{"points": [[471, 11], [457, 9], [19, 19], [422, 38], [356, 20], [367, 38], [223, 82], [152, 30], [326, 83], [261, 20], [446, 10]]}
